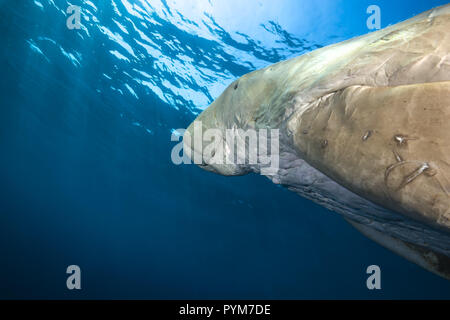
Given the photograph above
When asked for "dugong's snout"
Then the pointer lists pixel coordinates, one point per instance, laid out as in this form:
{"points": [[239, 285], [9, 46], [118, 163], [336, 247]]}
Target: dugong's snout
{"points": [[205, 144]]}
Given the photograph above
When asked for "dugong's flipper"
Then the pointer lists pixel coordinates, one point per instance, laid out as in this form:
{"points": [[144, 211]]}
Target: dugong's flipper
{"points": [[433, 261], [364, 131]]}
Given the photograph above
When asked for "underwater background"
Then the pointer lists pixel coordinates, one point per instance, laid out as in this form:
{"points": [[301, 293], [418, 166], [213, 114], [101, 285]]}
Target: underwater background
{"points": [[86, 176]]}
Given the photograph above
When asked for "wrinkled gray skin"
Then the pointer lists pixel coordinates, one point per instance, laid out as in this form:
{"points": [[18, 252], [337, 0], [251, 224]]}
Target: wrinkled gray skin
{"points": [[364, 131]]}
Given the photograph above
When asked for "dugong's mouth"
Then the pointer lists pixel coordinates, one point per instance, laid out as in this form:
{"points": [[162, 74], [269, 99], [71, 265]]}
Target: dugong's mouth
{"points": [[197, 146]]}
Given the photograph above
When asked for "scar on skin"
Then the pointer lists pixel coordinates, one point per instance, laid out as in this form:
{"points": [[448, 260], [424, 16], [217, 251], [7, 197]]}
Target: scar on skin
{"points": [[367, 135], [397, 156], [402, 140], [424, 168], [410, 178]]}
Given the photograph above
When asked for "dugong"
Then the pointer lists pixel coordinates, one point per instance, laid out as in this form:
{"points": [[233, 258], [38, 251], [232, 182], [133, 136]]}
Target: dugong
{"points": [[364, 130]]}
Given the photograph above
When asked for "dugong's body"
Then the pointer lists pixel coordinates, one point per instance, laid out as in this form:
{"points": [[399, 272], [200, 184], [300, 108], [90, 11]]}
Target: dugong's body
{"points": [[364, 131]]}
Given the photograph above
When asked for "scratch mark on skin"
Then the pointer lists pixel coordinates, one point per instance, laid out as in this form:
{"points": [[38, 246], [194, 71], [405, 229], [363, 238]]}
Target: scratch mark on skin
{"points": [[414, 175], [367, 135], [402, 140], [424, 168], [390, 168], [397, 156]]}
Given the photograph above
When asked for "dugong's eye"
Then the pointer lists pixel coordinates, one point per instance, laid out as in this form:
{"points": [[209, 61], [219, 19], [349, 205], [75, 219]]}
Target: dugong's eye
{"points": [[236, 86]]}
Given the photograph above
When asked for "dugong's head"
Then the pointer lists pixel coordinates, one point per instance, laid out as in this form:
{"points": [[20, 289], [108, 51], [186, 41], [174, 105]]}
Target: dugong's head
{"points": [[212, 140]]}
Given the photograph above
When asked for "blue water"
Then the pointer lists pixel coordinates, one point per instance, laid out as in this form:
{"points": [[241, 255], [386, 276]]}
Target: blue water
{"points": [[85, 172]]}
